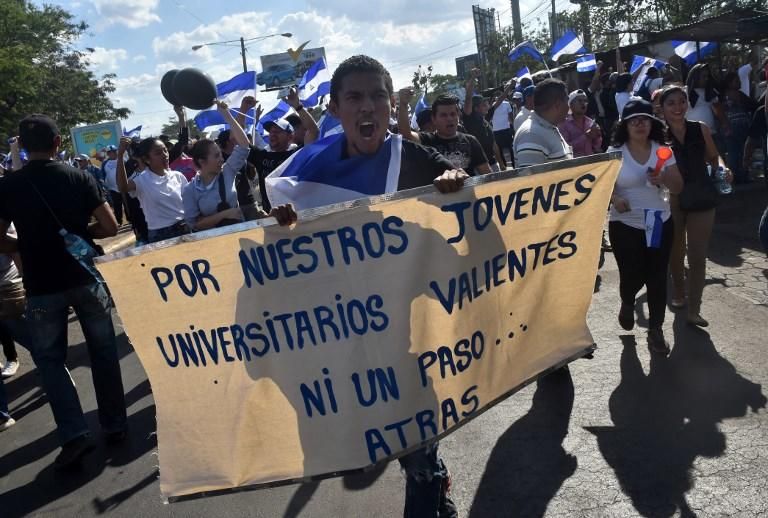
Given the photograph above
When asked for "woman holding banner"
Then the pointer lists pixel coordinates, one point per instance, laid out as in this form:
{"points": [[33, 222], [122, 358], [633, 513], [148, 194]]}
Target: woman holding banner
{"points": [[694, 210], [157, 188], [640, 226]]}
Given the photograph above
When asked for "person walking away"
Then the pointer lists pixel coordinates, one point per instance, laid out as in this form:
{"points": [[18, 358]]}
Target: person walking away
{"points": [[580, 132], [640, 224], [51, 205], [738, 109], [158, 189], [538, 140], [109, 173], [693, 210], [9, 276]]}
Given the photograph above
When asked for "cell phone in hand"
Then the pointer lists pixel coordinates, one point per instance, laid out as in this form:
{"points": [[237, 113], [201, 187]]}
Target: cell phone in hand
{"points": [[284, 92]]}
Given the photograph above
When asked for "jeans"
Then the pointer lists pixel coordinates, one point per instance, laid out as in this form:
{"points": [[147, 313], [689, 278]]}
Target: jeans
{"points": [[641, 265], [694, 229], [4, 415], [159, 234], [425, 495], [47, 316]]}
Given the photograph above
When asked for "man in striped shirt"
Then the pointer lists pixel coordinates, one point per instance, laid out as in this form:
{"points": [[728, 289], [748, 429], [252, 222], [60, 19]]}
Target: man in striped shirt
{"points": [[538, 140]]}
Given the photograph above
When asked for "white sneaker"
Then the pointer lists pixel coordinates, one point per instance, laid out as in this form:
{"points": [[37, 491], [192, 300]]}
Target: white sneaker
{"points": [[9, 369], [7, 424]]}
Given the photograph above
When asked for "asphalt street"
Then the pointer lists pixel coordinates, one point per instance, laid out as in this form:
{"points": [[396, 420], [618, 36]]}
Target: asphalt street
{"points": [[622, 434]]}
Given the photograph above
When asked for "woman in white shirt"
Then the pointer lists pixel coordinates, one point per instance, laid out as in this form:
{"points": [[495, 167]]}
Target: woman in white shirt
{"points": [[157, 188], [640, 225], [703, 102]]}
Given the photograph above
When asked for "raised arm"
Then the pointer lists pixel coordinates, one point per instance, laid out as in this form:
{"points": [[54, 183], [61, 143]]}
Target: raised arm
{"points": [[306, 119], [178, 148], [236, 130], [403, 121], [123, 183]]}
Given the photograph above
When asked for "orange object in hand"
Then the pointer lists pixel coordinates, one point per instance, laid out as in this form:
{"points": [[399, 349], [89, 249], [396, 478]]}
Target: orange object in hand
{"points": [[662, 155]]}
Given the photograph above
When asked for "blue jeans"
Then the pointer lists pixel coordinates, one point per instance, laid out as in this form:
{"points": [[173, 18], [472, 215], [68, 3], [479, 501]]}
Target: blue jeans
{"points": [[424, 492], [47, 318], [4, 415]]}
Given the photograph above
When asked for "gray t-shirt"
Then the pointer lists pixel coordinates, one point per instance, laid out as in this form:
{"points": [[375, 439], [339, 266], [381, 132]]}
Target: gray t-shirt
{"points": [[203, 200]]}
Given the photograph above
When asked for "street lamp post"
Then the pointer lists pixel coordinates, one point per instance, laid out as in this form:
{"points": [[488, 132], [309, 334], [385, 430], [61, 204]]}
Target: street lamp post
{"points": [[241, 41]]}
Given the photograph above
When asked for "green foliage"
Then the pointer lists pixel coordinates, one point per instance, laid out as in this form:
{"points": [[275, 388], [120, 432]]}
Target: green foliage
{"points": [[172, 127], [42, 72]]}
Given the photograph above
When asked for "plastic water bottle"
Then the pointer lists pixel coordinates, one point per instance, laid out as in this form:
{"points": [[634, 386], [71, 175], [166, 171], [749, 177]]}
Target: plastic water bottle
{"points": [[664, 193], [720, 181], [81, 251]]}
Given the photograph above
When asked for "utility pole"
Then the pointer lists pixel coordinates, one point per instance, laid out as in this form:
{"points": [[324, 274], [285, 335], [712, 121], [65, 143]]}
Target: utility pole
{"points": [[242, 53], [553, 23], [517, 26]]}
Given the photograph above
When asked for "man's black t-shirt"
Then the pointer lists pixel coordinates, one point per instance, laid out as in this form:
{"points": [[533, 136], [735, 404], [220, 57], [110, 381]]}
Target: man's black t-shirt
{"points": [[759, 127], [463, 150], [72, 195], [481, 129], [420, 165], [265, 162]]}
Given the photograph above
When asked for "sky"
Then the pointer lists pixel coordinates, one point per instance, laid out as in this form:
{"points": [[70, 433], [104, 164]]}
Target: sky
{"points": [[140, 40]]}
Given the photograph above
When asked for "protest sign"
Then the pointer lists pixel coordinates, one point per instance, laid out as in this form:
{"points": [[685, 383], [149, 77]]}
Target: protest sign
{"points": [[284, 353], [89, 140]]}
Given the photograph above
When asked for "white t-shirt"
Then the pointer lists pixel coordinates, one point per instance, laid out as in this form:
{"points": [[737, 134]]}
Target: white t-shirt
{"points": [[702, 111], [110, 169], [521, 117], [160, 197], [632, 185], [500, 119], [744, 72]]}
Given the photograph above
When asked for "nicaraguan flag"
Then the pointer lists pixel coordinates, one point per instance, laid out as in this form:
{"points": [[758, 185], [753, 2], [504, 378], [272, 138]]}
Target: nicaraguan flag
{"points": [[568, 43], [315, 84], [639, 61], [525, 48], [231, 92], [522, 73], [420, 107], [329, 125], [317, 175], [586, 63], [278, 112], [654, 225], [687, 50], [135, 132]]}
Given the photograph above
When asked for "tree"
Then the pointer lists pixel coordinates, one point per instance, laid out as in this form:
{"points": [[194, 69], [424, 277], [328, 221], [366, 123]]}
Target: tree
{"points": [[42, 72], [172, 127]]}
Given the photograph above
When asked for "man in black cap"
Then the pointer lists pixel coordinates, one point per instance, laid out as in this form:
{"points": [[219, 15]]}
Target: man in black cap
{"points": [[48, 202]]}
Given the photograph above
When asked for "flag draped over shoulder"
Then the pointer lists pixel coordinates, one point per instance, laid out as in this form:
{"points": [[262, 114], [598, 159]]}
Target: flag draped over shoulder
{"points": [[319, 174]]}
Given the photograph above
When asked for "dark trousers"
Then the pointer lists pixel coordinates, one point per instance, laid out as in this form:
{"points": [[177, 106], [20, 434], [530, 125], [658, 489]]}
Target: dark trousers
{"points": [[138, 221], [641, 266], [9, 346], [504, 141], [116, 200]]}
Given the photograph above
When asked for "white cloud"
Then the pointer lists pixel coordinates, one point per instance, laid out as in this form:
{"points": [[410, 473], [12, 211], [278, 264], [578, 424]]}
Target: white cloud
{"points": [[103, 60], [139, 58], [131, 13]]}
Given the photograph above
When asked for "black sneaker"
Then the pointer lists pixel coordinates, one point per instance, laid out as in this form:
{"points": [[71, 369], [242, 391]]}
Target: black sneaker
{"points": [[656, 341], [115, 437], [73, 451], [627, 317]]}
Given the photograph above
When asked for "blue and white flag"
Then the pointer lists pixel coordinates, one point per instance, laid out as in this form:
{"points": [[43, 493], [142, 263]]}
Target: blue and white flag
{"points": [[421, 105], [654, 225], [687, 50], [639, 61], [328, 125], [523, 73], [134, 133], [315, 83], [568, 43], [232, 92], [316, 175], [278, 112], [586, 63], [525, 48]]}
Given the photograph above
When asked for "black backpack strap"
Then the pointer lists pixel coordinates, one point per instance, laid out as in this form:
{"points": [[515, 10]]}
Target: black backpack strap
{"points": [[222, 194]]}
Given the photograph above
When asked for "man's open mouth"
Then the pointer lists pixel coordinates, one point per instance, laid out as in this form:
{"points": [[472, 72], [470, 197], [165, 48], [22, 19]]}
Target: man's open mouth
{"points": [[367, 129]]}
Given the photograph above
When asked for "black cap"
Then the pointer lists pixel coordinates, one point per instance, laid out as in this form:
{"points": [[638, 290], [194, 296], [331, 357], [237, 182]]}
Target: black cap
{"points": [[637, 108], [37, 132]]}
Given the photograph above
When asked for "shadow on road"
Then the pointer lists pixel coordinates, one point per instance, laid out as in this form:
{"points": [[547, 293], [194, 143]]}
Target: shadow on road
{"points": [[528, 464], [666, 419]]}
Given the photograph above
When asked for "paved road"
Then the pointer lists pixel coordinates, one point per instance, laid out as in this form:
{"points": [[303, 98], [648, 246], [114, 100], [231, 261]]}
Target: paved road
{"points": [[623, 435]]}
